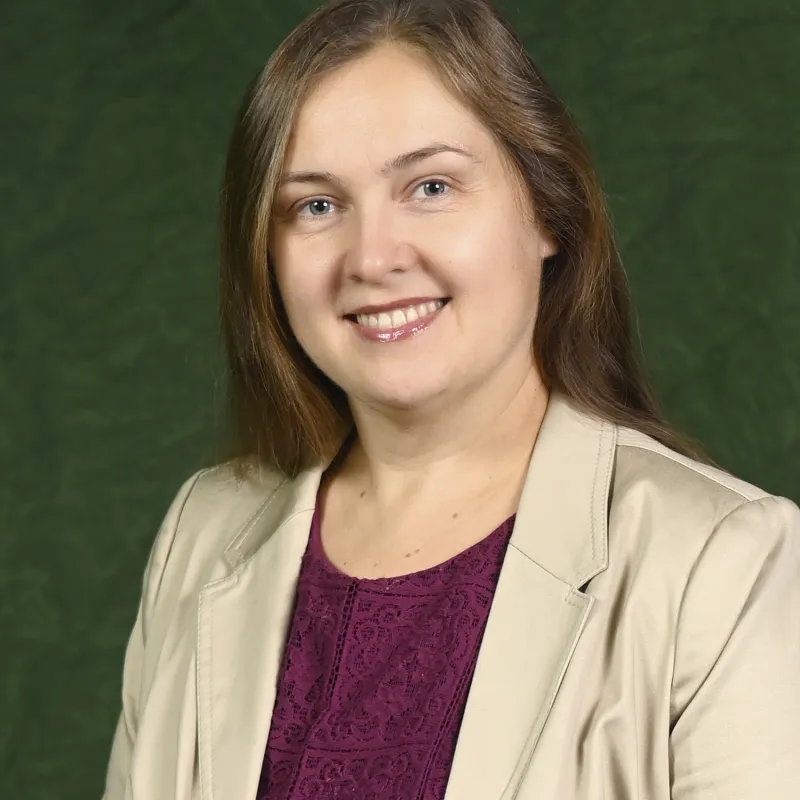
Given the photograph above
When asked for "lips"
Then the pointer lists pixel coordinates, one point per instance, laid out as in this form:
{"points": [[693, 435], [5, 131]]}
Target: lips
{"points": [[392, 306], [397, 332]]}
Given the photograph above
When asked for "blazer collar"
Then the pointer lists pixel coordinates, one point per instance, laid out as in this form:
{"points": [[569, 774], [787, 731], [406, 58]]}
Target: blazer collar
{"points": [[566, 491], [559, 542]]}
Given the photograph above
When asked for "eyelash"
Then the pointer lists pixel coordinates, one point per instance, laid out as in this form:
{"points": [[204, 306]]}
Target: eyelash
{"points": [[297, 209]]}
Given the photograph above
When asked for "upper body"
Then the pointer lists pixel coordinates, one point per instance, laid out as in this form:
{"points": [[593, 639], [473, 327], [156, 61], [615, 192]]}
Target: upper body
{"points": [[643, 638]]}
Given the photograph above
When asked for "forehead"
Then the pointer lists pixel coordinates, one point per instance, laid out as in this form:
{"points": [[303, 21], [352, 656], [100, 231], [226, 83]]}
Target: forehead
{"points": [[388, 102]]}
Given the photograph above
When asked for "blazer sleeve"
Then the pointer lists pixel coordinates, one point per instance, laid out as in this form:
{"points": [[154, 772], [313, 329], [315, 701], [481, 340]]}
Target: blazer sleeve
{"points": [[736, 683], [117, 775]]}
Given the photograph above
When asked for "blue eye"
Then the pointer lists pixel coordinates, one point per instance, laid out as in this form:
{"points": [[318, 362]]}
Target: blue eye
{"points": [[311, 203], [434, 183]]}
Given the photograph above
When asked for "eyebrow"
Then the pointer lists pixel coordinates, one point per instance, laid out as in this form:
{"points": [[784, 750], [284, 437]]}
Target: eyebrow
{"points": [[392, 165]]}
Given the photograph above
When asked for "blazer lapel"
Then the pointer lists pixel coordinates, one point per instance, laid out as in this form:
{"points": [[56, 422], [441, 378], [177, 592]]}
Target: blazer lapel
{"points": [[243, 622], [538, 613]]}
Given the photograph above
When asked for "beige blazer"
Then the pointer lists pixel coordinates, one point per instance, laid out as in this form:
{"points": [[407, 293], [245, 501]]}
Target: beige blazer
{"points": [[644, 640]]}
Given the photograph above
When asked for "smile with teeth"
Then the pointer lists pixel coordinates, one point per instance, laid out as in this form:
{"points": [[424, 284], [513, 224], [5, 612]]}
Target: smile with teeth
{"points": [[399, 316]]}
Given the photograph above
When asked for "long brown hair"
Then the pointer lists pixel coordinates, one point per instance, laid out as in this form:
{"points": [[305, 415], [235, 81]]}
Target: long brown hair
{"points": [[283, 412]]}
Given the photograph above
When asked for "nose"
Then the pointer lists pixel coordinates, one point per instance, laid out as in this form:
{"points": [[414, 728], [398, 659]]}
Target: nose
{"points": [[375, 249]]}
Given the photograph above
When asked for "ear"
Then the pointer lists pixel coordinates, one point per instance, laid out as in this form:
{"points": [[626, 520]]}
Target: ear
{"points": [[547, 245]]}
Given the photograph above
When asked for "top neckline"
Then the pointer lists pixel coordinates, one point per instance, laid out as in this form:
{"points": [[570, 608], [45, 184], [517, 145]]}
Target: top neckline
{"points": [[317, 551]]}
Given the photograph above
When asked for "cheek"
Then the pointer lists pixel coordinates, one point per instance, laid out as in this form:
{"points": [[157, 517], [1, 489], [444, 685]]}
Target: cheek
{"points": [[500, 265], [308, 311], [299, 289]]}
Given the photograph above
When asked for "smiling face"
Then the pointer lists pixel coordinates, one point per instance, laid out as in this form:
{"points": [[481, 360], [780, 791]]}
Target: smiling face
{"points": [[395, 201]]}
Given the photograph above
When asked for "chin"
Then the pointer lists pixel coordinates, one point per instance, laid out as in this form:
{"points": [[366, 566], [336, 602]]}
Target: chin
{"points": [[408, 398]]}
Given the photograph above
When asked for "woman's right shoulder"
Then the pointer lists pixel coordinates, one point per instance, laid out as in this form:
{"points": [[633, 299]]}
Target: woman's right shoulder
{"points": [[206, 515], [218, 499]]}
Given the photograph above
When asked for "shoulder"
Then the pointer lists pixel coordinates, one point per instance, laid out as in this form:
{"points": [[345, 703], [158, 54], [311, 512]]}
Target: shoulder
{"points": [[217, 498], [679, 512], [679, 493], [719, 559], [665, 509], [206, 515], [641, 456], [219, 505]]}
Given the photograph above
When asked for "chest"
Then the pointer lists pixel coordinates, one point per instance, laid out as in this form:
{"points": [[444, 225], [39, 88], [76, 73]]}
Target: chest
{"points": [[374, 680]]}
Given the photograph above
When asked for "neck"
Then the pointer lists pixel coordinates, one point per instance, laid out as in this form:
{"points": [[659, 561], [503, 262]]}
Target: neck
{"points": [[483, 442]]}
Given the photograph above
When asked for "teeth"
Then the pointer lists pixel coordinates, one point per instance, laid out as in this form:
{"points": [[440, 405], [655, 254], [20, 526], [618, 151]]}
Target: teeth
{"points": [[399, 316]]}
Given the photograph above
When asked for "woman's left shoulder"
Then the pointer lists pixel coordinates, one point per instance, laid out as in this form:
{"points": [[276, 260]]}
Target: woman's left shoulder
{"points": [[673, 505], [714, 563]]}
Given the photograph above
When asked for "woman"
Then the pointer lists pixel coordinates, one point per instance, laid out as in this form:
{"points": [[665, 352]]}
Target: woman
{"points": [[456, 552]]}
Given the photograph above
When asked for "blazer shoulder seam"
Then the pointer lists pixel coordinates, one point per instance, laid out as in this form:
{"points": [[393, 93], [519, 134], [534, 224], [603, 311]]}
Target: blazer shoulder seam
{"points": [[715, 475], [195, 479]]}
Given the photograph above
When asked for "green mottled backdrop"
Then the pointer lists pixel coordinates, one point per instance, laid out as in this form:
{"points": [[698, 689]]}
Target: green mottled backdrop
{"points": [[113, 122]]}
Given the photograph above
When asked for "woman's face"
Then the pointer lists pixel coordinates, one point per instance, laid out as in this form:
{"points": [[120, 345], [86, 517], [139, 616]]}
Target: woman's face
{"points": [[368, 239]]}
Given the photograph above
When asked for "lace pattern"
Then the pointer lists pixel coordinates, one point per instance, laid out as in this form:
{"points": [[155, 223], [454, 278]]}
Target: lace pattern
{"points": [[375, 676]]}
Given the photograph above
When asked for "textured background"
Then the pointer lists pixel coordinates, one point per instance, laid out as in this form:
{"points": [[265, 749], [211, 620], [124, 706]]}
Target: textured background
{"points": [[113, 123]]}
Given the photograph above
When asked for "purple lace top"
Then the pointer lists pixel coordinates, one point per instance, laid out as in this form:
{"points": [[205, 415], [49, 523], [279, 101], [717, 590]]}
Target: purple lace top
{"points": [[375, 676]]}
